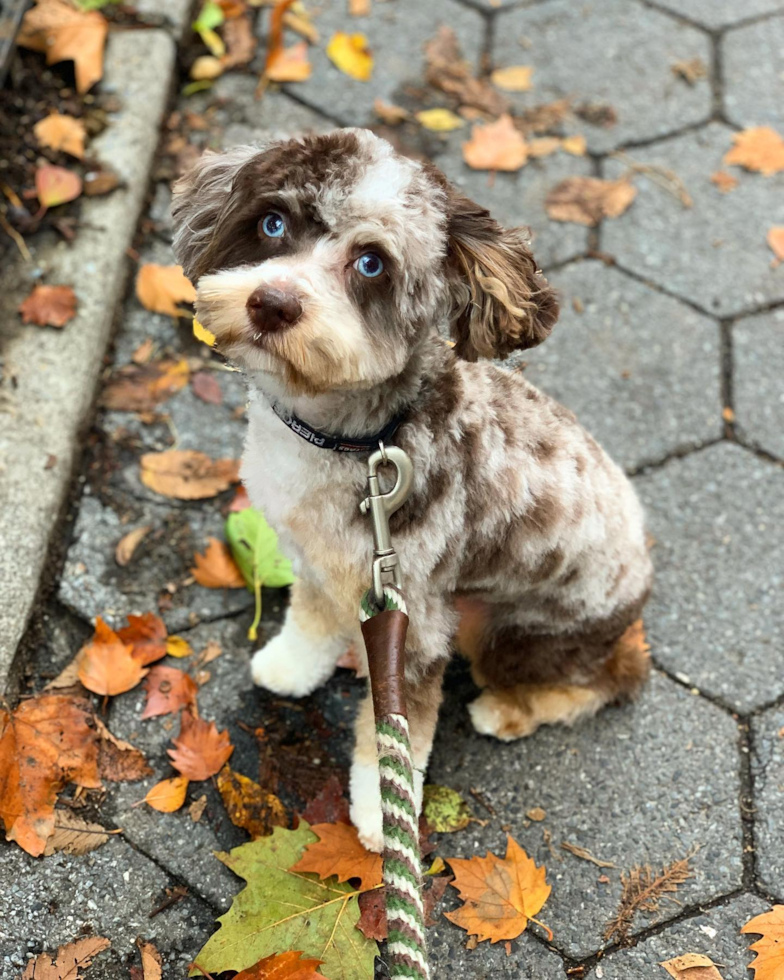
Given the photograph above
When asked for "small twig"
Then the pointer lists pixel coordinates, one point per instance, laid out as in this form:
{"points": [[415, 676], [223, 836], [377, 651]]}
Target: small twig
{"points": [[177, 894], [16, 237], [480, 799], [663, 177], [207, 976], [581, 852]]}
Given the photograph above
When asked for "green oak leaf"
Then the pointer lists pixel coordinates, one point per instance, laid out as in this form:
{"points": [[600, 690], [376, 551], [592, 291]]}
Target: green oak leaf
{"points": [[445, 809], [279, 910]]}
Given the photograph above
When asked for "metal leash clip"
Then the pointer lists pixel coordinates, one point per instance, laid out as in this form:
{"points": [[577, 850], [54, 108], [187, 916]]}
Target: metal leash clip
{"points": [[386, 563]]}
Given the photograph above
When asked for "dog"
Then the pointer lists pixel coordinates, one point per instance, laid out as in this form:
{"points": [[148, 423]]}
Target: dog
{"points": [[330, 268]]}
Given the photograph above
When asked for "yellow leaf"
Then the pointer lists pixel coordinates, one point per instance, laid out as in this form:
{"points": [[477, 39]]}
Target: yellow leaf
{"points": [[61, 132], [496, 146], [769, 962], [248, 805], [168, 795], [206, 67], [514, 79], [178, 647], [439, 120], [543, 146], [499, 897], [350, 53], [201, 333], [160, 287], [575, 145]]}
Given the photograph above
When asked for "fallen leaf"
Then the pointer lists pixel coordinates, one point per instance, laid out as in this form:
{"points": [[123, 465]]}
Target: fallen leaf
{"points": [[248, 805], [373, 921], [724, 181], [642, 891], [118, 760], [515, 79], [543, 146], [207, 388], [775, 240], [496, 146], [168, 689], [350, 53], [727, 414], [64, 33], [439, 120], [107, 665], [254, 545], [178, 646], [211, 652], [141, 388], [128, 543], [760, 149], [576, 145], [152, 964], [302, 24], [68, 961], [444, 809], [447, 70], [586, 855], [281, 910], [147, 635], [216, 569], [186, 474], [47, 742], [536, 814], [339, 852], [283, 966], [210, 16], [205, 68], [56, 185], [241, 42], [359, 8], [203, 334], [200, 750], [68, 676], [330, 806], [49, 306], [769, 961], [587, 200], [436, 867], [432, 895], [168, 795], [691, 70], [692, 966], [499, 897], [74, 835], [390, 114], [100, 182], [160, 287], [196, 809], [61, 132], [289, 64]]}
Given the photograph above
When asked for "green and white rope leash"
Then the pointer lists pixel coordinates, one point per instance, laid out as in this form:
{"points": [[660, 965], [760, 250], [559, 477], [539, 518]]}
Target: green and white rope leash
{"points": [[407, 947]]}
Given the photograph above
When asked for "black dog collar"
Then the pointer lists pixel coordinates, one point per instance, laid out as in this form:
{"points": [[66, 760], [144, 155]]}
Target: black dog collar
{"points": [[340, 444]]}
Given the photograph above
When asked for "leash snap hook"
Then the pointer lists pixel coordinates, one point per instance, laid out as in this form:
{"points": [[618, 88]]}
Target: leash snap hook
{"points": [[386, 562]]}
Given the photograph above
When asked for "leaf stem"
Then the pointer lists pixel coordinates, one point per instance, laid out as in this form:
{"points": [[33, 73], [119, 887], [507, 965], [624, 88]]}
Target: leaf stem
{"points": [[253, 631]]}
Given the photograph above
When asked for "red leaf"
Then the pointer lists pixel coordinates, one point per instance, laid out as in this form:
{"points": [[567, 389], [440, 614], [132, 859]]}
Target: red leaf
{"points": [[207, 388], [56, 185], [147, 635], [200, 750], [168, 689], [330, 806], [49, 306], [373, 920]]}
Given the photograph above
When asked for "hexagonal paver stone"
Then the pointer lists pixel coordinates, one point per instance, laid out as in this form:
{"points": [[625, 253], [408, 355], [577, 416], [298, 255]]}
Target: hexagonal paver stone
{"points": [[758, 349], [614, 53], [396, 34], [640, 370], [753, 67], [767, 762], [518, 198], [714, 932], [641, 784], [528, 959], [720, 13], [715, 616], [110, 892], [714, 253]]}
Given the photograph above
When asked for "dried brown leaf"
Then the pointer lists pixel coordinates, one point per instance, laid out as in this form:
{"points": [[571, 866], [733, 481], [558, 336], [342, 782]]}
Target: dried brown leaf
{"points": [[128, 543], [68, 962], [49, 306], [643, 890], [186, 474], [588, 200]]}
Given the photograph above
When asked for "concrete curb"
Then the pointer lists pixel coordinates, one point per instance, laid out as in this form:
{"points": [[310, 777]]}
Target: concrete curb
{"points": [[55, 372]]}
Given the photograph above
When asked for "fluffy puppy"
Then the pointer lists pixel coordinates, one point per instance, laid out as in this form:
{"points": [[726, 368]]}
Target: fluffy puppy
{"points": [[329, 268]]}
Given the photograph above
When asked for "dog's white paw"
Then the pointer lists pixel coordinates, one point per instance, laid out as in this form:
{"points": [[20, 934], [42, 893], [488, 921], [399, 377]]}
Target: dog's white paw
{"points": [[491, 715], [366, 806], [290, 665]]}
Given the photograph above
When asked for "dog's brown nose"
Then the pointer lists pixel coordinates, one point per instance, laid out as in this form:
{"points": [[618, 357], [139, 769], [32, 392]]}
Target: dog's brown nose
{"points": [[273, 309]]}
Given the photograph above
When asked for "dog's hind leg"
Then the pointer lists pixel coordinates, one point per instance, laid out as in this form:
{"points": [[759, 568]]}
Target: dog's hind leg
{"points": [[548, 680], [303, 655]]}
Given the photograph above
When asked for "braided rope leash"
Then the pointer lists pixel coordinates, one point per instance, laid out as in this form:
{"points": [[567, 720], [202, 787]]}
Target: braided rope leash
{"points": [[384, 631]]}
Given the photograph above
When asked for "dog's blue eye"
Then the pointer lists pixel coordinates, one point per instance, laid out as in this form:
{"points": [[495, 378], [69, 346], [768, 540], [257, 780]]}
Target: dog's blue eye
{"points": [[369, 265], [273, 225]]}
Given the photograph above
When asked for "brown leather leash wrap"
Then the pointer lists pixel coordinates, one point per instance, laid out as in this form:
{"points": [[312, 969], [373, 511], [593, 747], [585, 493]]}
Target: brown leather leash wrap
{"points": [[384, 618]]}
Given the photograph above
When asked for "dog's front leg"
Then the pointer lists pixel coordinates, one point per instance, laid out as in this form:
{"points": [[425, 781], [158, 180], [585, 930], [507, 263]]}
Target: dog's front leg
{"points": [[303, 655], [423, 698]]}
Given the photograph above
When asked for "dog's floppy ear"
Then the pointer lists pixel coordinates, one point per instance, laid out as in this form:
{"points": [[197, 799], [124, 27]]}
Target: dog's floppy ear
{"points": [[502, 302], [200, 198]]}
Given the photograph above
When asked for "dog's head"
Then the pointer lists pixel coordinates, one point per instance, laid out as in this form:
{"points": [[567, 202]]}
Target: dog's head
{"points": [[327, 261]]}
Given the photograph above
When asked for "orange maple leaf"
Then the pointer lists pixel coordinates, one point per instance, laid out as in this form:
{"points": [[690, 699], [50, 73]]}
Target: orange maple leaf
{"points": [[497, 146], [47, 742], [147, 636], [339, 852], [106, 664], [168, 795], [159, 288], [200, 750], [760, 148], [187, 474], [216, 569], [283, 966], [65, 33], [769, 961], [168, 689], [499, 896]]}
